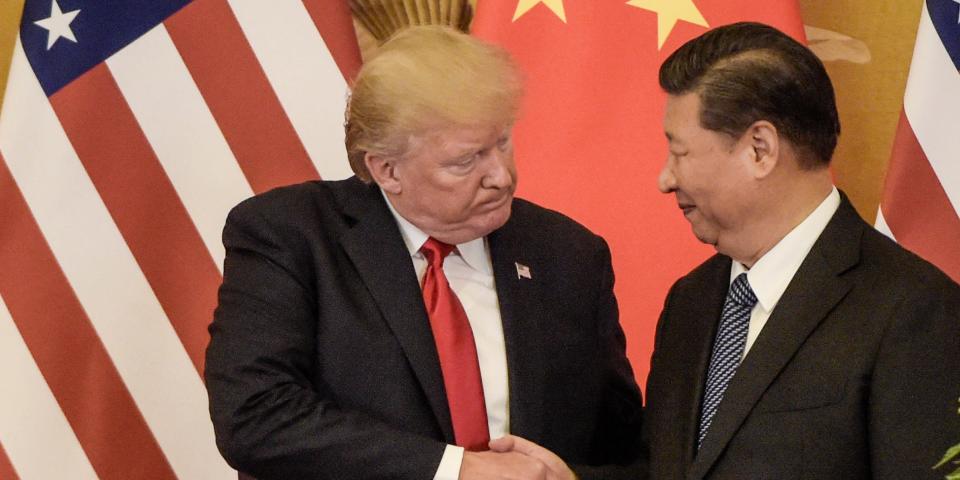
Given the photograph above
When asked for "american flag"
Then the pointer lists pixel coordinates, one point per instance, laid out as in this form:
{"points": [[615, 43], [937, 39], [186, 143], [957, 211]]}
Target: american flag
{"points": [[128, 129], [921, 198]]}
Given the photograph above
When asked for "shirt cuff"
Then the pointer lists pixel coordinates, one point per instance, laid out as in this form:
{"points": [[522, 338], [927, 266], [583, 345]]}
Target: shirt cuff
{"points": [[449, 468]]}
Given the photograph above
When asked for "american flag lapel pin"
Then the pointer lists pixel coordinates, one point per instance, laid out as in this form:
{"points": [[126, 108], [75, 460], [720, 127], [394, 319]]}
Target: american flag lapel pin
{"points": [[523, 271]]}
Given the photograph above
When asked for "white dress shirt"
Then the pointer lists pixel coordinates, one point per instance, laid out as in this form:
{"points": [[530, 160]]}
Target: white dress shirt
{"points": [[470, 273], [772, 273]]}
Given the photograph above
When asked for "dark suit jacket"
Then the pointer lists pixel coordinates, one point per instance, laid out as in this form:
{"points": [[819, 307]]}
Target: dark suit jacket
{"points": [[322, 362], [855, 375]]}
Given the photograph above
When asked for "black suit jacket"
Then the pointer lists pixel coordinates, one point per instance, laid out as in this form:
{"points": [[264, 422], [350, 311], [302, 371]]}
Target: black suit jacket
{"points": [[322, 363], [855, 375]]}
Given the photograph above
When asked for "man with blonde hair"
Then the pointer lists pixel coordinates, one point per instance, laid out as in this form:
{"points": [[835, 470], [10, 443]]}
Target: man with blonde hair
{"points": [[391, 325]]}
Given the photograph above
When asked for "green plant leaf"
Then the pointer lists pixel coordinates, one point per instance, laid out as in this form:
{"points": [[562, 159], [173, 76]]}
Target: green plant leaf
{"points": [[952, 452]]}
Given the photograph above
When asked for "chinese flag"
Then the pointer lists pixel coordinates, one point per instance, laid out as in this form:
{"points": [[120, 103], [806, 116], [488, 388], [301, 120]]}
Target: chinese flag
{"points": [[589, 141]]}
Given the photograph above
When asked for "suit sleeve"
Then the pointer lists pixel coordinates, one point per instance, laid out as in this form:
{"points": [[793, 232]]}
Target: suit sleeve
{"points": [[621, 416], [652, 377], [272, 420], [915, 386]]}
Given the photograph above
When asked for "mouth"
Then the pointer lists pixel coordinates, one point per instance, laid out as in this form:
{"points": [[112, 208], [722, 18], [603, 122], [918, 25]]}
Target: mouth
{"points": [[687, 208], [496, 203]]}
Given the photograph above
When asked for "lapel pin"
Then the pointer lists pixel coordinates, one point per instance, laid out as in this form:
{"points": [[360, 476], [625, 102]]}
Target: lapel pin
{"points": [[523, 271]]}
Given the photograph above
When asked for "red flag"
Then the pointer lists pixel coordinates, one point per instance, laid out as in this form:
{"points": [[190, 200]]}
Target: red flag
{"points": [[921, 196], [590, 141], [128, 130]]}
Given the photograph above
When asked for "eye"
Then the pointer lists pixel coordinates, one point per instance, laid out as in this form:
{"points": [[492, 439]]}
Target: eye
{"points": [[474, 157], [465, 163], [677, 154]]}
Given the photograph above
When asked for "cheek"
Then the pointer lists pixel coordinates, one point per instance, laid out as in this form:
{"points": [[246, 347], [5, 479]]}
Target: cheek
{"points": [[454, 204], [698, 184], [726, 207], [510, 164], [710, 181]]}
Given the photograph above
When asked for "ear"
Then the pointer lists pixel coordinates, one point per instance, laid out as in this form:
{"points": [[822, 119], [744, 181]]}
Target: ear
{"points": [[383, 170], [764, 147]]}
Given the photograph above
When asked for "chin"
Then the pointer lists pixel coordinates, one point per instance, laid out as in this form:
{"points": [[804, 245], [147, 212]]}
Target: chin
{"points": [[500, 216], [491, 221], [708, 238]]}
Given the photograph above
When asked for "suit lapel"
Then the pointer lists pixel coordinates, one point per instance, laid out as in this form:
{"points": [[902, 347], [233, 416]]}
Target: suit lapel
{"points": [[814, 291], [520, 309], [374, 245]]}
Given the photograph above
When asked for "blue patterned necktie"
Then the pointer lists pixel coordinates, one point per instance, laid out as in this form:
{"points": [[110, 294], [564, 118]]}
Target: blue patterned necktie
{"points": [[727, 348]]}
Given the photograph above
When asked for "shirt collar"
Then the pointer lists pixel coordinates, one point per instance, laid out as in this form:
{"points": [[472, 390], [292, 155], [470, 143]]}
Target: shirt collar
{"points": [[474, 253], [772, 273]]}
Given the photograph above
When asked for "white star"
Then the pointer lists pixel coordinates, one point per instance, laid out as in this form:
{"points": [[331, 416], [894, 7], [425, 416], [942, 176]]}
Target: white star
{"points": [[58, 25], [958, 17]]}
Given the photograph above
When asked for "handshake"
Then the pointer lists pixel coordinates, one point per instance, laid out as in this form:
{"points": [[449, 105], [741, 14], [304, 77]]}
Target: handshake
{"points": [[512, 457]]}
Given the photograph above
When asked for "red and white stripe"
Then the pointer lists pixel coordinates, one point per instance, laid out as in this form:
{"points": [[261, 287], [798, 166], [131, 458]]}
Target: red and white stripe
{"points": [[921, 197], [113, 193]]}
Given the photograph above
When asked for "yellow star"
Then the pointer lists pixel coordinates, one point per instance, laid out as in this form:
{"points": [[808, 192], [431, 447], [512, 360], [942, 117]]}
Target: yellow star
{"points": [[668, 12], [524, 6]]}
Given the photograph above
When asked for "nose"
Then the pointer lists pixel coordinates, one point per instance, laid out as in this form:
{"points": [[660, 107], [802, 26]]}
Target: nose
{"points": [[667, 181], [500, 173]]}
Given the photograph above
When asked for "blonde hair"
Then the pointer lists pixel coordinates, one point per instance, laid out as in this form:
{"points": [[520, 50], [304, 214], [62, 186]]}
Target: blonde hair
{"points": [[422, 78]]}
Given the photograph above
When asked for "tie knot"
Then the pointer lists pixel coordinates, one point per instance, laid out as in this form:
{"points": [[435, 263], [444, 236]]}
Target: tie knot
{"points": [[741, 293], [435, 251]]}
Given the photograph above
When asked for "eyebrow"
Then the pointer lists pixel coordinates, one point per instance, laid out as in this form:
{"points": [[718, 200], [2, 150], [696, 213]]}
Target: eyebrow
{"points": [[461, 156]]}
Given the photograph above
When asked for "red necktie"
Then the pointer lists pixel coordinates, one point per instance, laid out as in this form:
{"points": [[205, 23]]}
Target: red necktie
{"points": [[457, 350]]}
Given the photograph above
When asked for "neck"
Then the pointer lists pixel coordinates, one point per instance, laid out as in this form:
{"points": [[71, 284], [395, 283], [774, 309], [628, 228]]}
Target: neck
{"points": [[787, 203]]}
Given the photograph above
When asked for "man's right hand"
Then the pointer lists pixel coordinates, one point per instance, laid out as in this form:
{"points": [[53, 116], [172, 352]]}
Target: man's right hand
{"points": [[505, 466]]}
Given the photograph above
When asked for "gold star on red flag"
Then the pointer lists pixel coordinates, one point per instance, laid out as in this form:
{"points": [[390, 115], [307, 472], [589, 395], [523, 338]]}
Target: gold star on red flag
{"points": [[556, 6], [669, 12]]}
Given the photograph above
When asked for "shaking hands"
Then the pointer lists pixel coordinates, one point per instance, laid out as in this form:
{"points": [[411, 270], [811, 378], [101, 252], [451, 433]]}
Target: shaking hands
{"points": [[514, 458]]}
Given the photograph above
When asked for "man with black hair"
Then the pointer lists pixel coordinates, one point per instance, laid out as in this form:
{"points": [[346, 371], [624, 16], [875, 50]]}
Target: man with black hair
{"points": [[810, 346]]}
